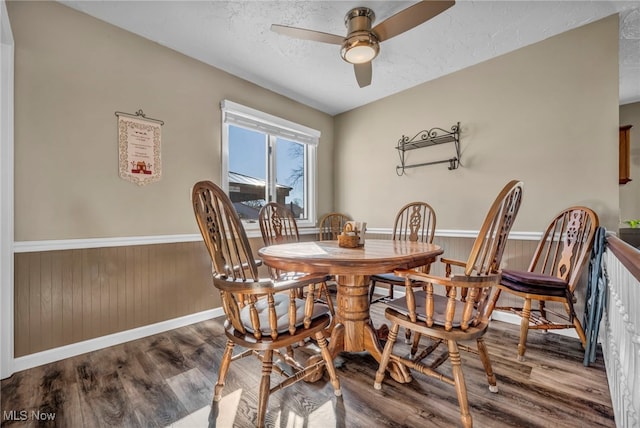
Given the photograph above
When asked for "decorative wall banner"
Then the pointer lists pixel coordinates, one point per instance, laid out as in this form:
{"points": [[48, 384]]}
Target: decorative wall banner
{"points": [[139, 140]]}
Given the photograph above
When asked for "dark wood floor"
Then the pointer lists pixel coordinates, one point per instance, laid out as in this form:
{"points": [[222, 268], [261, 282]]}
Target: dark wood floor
{"points": [[167, 380]]}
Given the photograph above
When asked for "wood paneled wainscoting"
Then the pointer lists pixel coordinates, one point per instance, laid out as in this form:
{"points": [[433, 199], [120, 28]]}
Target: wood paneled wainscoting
{"points": [[68, 296], [73, 295]]}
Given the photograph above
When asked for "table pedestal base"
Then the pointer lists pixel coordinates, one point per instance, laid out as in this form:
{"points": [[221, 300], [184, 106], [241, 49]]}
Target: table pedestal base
{"points": [[354, 331]]}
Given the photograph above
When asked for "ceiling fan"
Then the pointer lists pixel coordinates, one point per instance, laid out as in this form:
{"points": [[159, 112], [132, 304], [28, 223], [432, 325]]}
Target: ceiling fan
{"points": [[361, 45]]}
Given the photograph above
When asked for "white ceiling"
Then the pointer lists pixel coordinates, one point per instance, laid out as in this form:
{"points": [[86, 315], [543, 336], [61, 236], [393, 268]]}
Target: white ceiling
{"points": [[235, 36]]}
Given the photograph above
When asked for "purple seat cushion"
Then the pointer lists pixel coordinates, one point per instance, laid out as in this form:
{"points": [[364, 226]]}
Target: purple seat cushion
{"points": [[533, 283]]}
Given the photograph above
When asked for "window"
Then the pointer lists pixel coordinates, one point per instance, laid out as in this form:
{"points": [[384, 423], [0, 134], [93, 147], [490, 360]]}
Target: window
{"points": [[268, 159]]}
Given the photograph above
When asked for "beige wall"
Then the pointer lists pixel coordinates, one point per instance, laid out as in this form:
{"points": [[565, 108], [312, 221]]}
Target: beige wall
{"points": [[546, 114], [630, 192], [72, 72]]}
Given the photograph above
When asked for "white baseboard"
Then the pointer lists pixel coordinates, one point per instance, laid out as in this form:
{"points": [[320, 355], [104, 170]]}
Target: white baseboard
{"points": [[67, 351], [514, 319]]}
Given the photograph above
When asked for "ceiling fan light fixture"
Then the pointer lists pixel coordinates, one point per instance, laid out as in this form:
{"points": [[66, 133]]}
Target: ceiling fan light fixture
{"points": [[362, 43], [360, 48]]}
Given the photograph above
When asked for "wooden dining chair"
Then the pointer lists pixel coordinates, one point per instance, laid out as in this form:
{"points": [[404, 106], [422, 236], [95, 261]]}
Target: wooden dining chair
{"points": [[416, 221], [331, 225], [263, 315], [553, 275], [278, 226], [461, 310]]}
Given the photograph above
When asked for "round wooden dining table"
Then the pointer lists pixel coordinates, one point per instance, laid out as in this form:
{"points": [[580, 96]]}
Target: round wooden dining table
{"points": [[352, 267]]}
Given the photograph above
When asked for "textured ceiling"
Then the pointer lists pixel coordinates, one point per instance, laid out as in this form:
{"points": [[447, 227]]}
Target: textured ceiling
{"points": [[235, 36]]}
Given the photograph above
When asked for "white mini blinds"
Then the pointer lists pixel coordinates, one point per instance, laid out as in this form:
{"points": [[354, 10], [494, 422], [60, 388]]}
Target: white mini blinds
{"points": [[246, 117]]}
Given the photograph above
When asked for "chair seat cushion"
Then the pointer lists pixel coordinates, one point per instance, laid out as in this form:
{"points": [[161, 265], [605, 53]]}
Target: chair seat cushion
{"points": [[439, 308], [533, 283], [281, 305], [303, 278], [389, 278]]}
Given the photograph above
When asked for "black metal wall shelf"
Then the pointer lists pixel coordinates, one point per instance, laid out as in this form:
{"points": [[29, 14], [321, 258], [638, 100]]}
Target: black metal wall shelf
{"points": [[428, 138]]}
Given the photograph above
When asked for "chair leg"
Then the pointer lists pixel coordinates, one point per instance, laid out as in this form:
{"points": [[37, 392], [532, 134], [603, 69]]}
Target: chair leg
{"points": [[461, 387], [224, 369], [542, 309], [494, 301], [265, 386], [324, 289], [486, 362], [372, 287], [577, 325], [407, 336], [328, 362], [416, 342], [543, 313], [524, 328], [386, 355]]}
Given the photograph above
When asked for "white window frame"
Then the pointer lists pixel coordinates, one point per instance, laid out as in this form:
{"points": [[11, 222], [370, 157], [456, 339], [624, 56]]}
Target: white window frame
{"points": [[246, 117]]}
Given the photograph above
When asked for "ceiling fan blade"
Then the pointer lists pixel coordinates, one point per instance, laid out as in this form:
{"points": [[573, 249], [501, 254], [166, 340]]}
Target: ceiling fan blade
{"points": [[363, 73], [410, 17], [302, 33]]}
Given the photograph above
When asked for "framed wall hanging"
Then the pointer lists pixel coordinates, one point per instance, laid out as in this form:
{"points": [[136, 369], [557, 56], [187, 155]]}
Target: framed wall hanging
{"points": [[139, 142]]}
